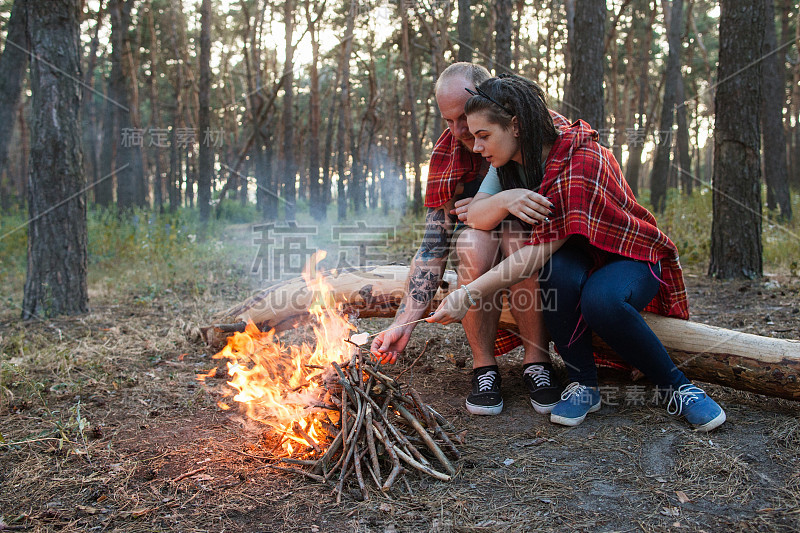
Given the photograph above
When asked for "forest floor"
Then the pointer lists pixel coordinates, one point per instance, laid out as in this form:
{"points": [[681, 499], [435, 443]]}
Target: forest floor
{"points": [[104, 427]]}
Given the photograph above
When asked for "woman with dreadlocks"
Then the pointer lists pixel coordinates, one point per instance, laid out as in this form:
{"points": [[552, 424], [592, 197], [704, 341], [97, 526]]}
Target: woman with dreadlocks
{"points": [[599, 254]]}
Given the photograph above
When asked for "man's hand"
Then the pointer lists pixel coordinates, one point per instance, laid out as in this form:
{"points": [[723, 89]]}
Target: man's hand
{"points": [[528, 206], [387, 345], [460, 210], [452, 309]]}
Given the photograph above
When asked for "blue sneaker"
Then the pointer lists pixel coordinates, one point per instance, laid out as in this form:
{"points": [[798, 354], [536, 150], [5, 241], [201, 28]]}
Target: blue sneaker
{"points": [[692, 402], [576, 402]]}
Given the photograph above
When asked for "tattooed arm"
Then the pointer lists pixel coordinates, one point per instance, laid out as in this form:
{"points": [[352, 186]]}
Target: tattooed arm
{"points": [[423, 281]]}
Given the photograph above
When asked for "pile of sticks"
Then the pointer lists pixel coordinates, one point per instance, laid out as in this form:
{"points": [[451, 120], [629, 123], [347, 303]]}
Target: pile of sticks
{"points": [[377, 429]]}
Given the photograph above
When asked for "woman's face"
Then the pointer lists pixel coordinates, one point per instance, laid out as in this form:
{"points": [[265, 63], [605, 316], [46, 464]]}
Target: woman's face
{"points": [[495, 143]]}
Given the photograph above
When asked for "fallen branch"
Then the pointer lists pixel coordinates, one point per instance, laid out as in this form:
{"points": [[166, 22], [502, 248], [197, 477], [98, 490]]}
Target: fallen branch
{"points": [[189, 474]]}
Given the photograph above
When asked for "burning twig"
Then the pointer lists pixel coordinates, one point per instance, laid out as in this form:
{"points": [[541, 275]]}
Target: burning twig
{"points": [[298, 429]]}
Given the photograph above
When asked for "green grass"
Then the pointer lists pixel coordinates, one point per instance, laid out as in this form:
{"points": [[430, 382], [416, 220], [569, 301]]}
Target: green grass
{"points": [[687, 220], [142, 252]]}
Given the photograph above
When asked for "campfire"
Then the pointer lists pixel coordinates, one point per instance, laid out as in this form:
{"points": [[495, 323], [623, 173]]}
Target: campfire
{"points": [[337, 415]]}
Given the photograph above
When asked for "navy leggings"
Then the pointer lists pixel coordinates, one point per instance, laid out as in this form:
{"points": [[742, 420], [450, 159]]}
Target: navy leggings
{"points": [[607, 302]]}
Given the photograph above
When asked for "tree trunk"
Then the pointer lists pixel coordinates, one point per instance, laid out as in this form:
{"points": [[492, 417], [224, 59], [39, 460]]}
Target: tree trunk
{"points": [[410, 106], [584, 95], [128, 161], [155, 111], [343, 127], [795, 157], [773, 95], [175, 174], [636, 141], [329, 131], [104, 187], [569, 52], [787, 34], [658, 177], [502, 36], [25, 142], [289, 171], [57, 233], [13, 64], [90, 106], [205, 163], [685, 177], [464, 31], [175, 164], [191, 176], [316, 207], [736, 227]]}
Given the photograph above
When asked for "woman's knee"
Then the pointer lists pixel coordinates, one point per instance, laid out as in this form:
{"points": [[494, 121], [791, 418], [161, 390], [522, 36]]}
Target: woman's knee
{"points": [[601, 305], [618, 288]]}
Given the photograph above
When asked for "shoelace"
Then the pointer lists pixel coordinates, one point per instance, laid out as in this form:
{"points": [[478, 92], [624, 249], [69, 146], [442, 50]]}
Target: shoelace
{"points": [[581, 393], [539, 374], [574, 389], [685, 395], [486, 381]]}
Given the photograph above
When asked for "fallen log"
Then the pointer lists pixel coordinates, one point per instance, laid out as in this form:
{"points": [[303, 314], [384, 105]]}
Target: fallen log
{"points": [[735, 359]]}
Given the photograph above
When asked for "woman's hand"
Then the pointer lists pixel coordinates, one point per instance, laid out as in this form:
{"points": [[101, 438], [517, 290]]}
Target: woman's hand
{"points": [[452, 309], [461, 208], [528, 206]]}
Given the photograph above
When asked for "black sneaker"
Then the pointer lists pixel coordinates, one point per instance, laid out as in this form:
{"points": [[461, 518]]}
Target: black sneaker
{"points": [[544, 389], [485, 398]]}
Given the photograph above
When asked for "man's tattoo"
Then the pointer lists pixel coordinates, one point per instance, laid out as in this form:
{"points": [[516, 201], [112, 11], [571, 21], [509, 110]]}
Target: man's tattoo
{"points": [[423, 285], [436, 215], [436, 240]]}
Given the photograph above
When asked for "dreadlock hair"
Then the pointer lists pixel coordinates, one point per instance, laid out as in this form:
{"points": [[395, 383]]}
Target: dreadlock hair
{"points": [[527, 100]]}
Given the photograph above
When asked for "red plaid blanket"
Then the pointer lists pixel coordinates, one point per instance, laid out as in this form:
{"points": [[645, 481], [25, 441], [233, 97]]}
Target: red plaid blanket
{"points": [[453, 163], [593, 199]]}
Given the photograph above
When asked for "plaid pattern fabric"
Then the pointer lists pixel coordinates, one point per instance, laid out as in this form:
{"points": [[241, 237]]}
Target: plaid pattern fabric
{"points": [[592, 199], [505, 342], [453, 163]]}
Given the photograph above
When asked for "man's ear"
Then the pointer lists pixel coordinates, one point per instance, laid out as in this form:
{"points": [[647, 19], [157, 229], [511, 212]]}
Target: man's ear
{"points": [[515, 126]]}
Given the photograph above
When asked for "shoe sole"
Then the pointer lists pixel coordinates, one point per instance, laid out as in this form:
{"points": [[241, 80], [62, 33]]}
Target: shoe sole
{"points": [[564, 421], [715, 423], [483, 409], [543, 409]]}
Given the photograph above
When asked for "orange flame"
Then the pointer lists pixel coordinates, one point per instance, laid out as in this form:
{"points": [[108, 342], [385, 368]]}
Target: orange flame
{"points": [[279, 385]]}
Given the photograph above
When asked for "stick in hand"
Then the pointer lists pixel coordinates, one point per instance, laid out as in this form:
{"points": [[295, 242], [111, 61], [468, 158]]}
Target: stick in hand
{"points": [[359, 339]]}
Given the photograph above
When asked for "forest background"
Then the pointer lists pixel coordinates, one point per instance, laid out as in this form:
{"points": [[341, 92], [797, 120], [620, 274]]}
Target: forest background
{"points": [[161, 160]]}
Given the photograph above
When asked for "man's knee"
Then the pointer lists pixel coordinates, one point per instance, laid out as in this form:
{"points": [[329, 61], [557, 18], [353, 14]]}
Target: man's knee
{"points": [[515, 236], [476, 250]]}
